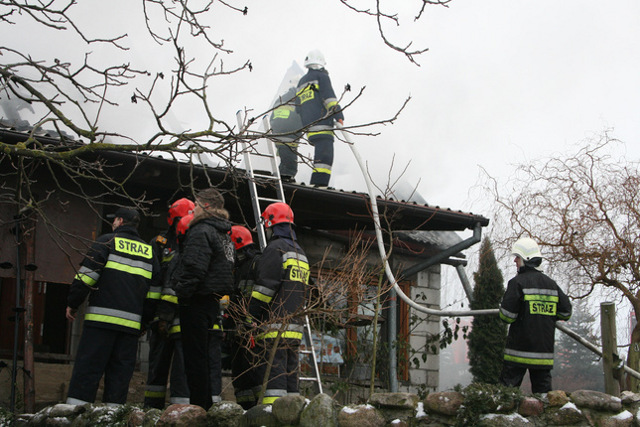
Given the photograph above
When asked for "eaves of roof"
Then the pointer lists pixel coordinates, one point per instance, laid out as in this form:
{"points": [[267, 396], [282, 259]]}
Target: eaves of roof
{"points": [[315, 208]]}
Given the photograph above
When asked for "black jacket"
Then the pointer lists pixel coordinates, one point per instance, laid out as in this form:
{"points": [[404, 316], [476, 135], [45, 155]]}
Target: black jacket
{"points": [[317, 102], [206, 261], [531, 305], [281, 282], [118, 271]]}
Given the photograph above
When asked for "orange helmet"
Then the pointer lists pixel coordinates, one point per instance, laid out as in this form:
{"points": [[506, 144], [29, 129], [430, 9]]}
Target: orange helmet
{"points": [[183, 225], [276, 213], [241, 236], [178, 209]]}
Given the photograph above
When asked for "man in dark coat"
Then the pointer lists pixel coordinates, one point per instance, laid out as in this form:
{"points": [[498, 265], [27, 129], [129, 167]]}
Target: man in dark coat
{"points": [[531, 305], [202, 277]]}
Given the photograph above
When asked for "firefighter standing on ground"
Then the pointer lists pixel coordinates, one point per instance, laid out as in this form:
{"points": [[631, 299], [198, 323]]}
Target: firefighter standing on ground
{"points": [[318, 107], [118, 271], [531, 305], [244, 376], [165, 346], [276, 303], [202, 277]]}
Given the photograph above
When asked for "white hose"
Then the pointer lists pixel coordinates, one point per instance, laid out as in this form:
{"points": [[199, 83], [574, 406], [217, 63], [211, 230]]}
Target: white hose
{"points": [[387, 268]]}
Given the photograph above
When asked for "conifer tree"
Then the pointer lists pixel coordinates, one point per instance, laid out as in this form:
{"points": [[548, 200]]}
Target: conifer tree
{"points": [[488, 333]]}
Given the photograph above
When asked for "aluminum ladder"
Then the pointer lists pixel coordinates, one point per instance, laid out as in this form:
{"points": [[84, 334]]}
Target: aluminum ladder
{"points": [[260, 180]]}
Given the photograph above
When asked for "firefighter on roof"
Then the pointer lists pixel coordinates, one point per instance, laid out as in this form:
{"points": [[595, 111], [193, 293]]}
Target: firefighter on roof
{"points": [[531, 305], [319, 109]]}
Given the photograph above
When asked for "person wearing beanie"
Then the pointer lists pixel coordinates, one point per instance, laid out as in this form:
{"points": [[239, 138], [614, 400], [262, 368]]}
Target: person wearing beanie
{"points": [[202, 277]]}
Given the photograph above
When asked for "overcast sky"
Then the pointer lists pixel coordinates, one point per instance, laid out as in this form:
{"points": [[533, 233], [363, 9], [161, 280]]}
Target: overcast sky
{"points": [[503, 82]]}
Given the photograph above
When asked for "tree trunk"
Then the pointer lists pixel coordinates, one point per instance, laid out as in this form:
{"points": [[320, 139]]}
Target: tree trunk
{"points": [[633, 358]]}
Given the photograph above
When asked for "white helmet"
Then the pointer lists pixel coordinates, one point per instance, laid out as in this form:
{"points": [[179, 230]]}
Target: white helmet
{"points": [[315, 57], [526, 248]]}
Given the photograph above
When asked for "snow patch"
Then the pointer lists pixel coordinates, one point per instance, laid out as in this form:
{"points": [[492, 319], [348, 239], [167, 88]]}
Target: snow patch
{"points": [[624, 415], [570, 405], [420, 410], [512, 417]]}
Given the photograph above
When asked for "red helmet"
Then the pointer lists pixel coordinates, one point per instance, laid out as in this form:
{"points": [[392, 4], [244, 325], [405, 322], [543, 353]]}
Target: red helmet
{"points": [[178, 209], [183, 225], [241, 236], [276, 213]]}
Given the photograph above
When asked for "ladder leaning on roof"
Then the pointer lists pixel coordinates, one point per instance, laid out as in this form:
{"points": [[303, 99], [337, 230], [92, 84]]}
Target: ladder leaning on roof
{"points": [[259, 180]]}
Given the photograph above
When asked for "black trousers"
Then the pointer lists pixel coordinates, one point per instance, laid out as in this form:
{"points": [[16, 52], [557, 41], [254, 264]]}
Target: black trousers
{"points": [[165, 353], [197, 315], [512, 376], [283, 376], [322, 159], [103, 351]]}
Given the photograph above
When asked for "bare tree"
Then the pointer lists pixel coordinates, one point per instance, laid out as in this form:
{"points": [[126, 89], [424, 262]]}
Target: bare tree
{"points": [[584, 210], [74, 95]]}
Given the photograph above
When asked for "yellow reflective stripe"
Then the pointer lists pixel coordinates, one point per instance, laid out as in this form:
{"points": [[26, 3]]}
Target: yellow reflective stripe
{"points": [[269, 400], [261, 297], [153, 295], [506, 319], [322, 170], [174, 329], [322, 132], [528, 361], [133, 247], [86, 279], [112, 320], [284, 334], [129, 269], [216, 327], [331, 104], [169, 298]]}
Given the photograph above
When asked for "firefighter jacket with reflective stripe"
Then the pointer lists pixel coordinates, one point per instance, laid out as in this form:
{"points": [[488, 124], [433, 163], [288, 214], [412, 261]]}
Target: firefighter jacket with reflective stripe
{"points": [[206, 260], [167, 308], [118, 271], [281, 282], [531, 306], [317, 102], [285, 118], [244, 276]]}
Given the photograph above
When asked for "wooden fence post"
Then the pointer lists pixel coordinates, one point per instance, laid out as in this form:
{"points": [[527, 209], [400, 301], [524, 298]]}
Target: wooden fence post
{"points": [[609, 347]]}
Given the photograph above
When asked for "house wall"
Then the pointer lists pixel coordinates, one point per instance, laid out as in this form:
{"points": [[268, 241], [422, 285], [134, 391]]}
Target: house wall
{"points": [[425, 289], [426, 374]]}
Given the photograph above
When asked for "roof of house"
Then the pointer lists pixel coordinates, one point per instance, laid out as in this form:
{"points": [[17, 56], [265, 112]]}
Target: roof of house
{"points": [[316, 208]]}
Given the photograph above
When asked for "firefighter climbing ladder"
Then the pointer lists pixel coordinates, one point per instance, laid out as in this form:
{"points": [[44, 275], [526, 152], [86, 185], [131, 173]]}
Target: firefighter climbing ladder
{"points": [[259, 180]]}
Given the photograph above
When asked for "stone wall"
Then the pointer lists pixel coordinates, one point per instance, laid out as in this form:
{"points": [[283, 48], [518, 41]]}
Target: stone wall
{"points": [[557, 408]]}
